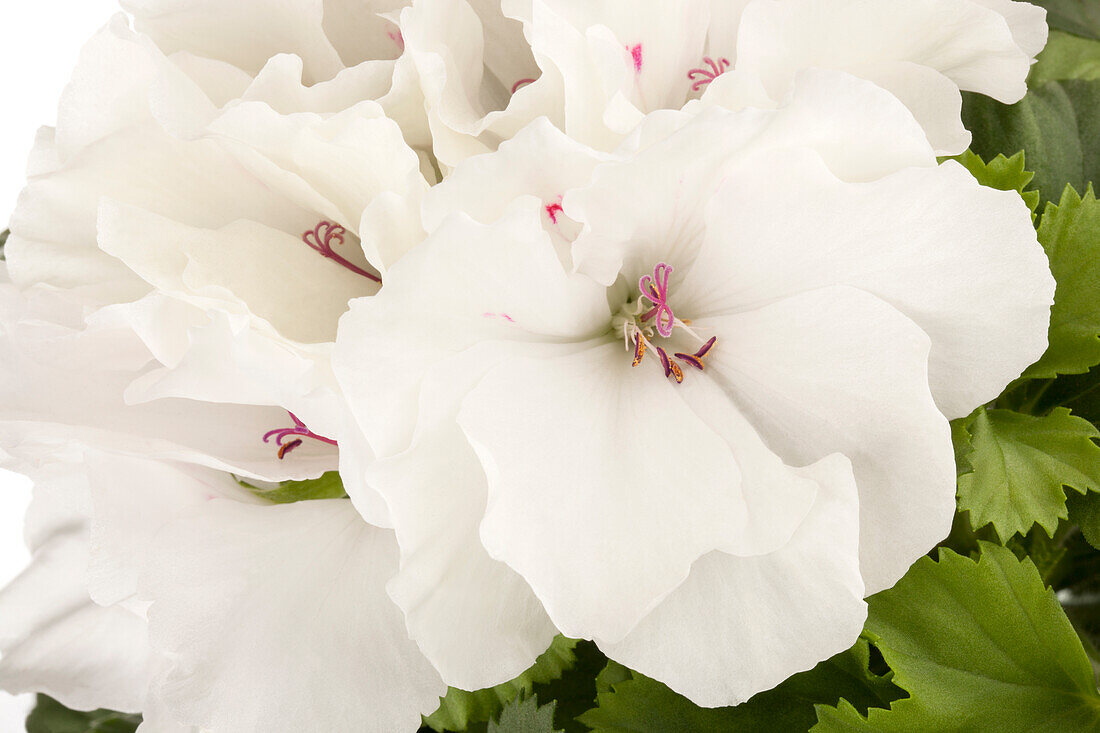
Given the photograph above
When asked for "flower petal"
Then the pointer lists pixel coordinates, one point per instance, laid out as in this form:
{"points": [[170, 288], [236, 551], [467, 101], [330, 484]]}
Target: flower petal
{"points": [[836, 370], [961, 260], [238, 590], [474, 617], [585, 458], [740, 625], [466, 283]]}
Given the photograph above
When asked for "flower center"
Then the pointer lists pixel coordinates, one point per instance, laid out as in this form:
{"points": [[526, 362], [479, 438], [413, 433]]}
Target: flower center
{"points": [[295, 434], [323, 236], [642, 321]]}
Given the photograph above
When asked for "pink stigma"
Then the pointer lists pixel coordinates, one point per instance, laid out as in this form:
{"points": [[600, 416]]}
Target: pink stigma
{"points": [[636, 54], [702, 77], [321, 239], [299, 429], [655, 288], [521, 83]]}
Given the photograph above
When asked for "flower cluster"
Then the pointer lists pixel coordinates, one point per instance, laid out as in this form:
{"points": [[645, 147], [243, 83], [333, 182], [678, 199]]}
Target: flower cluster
{"points": [[637, 322]]}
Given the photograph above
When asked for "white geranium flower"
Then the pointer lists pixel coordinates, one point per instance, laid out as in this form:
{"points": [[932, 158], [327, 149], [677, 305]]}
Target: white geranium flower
{"points": [[213, 609], [210, 201], [703, 448], [621, 60]]}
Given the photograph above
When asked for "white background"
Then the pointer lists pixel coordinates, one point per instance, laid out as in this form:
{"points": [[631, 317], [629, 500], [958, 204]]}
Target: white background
{"points": [[38, 49]]}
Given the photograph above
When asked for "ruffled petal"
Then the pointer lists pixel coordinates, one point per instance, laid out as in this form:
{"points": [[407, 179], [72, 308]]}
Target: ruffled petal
{"points": [[739, 625]]}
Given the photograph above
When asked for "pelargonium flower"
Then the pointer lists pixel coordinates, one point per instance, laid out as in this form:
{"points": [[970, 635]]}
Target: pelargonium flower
{"points": [[213, 211], [168, 589], [706, 441], [622, 60]]}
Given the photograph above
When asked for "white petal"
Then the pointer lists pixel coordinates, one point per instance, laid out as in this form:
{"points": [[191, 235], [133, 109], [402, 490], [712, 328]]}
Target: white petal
{"points": [[243, 267], [738, 626], [836, 370], [466, 283], [1028, 23], [246, 33], [474, 617], [975, 49], [650, 208], [588, 458], [276, 619], [54, 639], [132, 498], [959, 259]]}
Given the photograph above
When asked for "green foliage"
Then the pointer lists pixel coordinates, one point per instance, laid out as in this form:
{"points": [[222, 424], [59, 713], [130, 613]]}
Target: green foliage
{"points": [[979, 646], [1066, 57], [1003, 174], [1021, 462], [3, 242], [1056, 123], [631, 703], [327, 486], [1070, 234], [1081, 17], [1084, 512], [461, 708], [50, 716], [523, 715]]}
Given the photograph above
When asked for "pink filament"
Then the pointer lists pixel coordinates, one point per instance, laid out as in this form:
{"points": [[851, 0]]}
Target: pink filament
{"points": [[520, 83], [702, 77], [655, 288], [299, 429], [321, 238]]}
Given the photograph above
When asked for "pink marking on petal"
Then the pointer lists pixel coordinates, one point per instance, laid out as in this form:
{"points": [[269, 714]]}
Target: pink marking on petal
{"points": [[521, 83], [636, 54], [552, 210], [321, 239], [398, 38]]}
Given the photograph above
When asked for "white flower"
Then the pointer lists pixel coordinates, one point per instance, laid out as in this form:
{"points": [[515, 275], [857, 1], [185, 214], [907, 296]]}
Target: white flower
{"points": [[621, 60], [215, 214], [703, 448], [169, 589]]}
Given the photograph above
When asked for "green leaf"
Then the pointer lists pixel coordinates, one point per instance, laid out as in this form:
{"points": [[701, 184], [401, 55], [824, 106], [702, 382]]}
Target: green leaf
{"points": [[1081, 17], [50, 716], [980, 646], [1021, 463], [327, 486], [960, 440], [575, 690], [642, 705], [3, 242], [1003, 174], [1070, 234], [523, 715], [1084, 511], [1066, 57], [1056, 123], [461, 708]]}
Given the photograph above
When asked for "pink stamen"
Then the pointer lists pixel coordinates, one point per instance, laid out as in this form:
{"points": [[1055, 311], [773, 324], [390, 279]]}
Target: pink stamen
{"points": [[321, 238], [521, 83], [702, 77], [655, 288], [299, 429], [636, 54]]}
